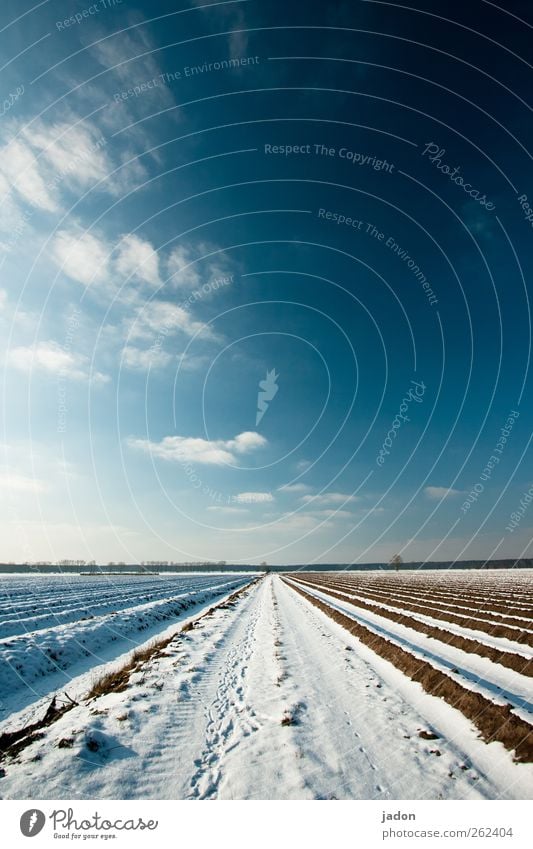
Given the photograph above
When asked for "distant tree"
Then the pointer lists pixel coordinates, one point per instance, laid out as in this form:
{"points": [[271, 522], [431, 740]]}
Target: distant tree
{"points": [[396, 561]]}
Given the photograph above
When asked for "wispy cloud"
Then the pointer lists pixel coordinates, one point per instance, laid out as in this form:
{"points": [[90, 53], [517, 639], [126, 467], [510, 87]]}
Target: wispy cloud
{"points": [[138, 259], [188, 449], [91, 259], [129, 58], [22, 172], [329, 498], [297, 488], [14, 483], [253, 498], [182, 270], [164, 317], [82, 256], [189, 266], [229, 17], [51, 358], [230, 511], [43, 166], [139, 359], [332, 514], [72, 154], [437, 492]]}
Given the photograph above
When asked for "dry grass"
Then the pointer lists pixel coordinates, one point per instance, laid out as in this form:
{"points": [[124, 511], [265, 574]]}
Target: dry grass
{"points": [[118, 680], [13, 742]]}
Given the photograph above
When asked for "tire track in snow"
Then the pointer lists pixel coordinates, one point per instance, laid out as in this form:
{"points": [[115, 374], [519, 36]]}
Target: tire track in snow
{"points": [[229, 716], [181, 725]]}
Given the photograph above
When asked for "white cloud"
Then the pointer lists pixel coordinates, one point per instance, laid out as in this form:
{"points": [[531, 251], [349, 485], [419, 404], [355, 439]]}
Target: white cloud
{"points": [[86, 257], [329, 498], [228, 510], [249, 440], [71, 153], [21, 170], [253, 498], [114, 53], [294, 487], [190, 268], [437, 492], [137, 258], [163, 317], [40, 163], [83, 257], [51, 358], [187, 449], [13, 483], [139, 359], [332, 514], [182, 270]]}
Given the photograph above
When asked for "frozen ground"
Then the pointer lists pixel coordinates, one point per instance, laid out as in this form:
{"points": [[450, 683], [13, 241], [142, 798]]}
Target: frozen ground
{"points": [[267, 698]]}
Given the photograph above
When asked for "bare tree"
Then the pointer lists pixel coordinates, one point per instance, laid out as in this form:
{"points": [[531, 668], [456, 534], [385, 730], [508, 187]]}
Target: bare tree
{"points": [[396, 561]]}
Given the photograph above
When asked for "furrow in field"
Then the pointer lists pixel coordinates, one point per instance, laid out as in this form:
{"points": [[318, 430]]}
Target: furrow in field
{"points": [[428, 601], [475, 673], [34, 664], [513, 633], [516, 662], [494, 721], [501, 644], [51, 605], [264, 698], [450, 601]]}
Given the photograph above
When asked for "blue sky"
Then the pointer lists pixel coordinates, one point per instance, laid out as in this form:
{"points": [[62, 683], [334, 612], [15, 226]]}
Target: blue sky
{"points": [[326, 200]]}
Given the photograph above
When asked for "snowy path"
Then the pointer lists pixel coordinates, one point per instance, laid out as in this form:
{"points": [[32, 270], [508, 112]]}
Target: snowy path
{"points": [[268, 698]]}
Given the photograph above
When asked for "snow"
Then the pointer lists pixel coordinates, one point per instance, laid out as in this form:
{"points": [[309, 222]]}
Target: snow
{"points": [[83, 622], [479, 674], [266, 699], [502, 643]]}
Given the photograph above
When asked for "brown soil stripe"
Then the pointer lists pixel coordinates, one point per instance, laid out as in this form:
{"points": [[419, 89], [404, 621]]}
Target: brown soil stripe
{"points": [[494, 722], [511, 661], [455, 600], [450, 604], [407, 599], [490, 594], [494, 630]]}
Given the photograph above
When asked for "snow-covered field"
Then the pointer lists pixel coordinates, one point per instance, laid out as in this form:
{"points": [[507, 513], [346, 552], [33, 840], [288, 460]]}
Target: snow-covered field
{"points": [[265, 696], [54, 627], [366, 602]]}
